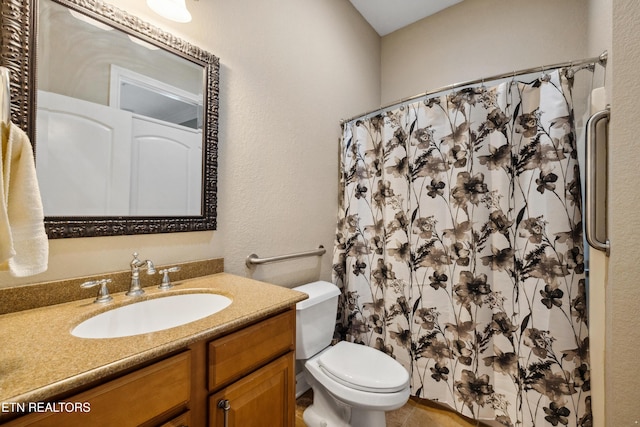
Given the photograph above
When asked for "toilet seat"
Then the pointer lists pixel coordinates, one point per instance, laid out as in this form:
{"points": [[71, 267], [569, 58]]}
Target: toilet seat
{"points": [[363, 368], [317, 378]]}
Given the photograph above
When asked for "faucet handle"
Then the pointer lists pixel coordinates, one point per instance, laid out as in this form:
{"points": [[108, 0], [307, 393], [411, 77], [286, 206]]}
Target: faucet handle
{"points": [[166, 281], [103, 292], [137, 263]]}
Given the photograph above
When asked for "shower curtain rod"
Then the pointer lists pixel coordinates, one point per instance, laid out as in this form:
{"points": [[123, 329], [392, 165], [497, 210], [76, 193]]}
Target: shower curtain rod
{"points": [[602, 60]]}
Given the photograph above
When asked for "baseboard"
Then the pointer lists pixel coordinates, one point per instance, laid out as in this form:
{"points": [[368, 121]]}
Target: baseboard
{"points": [[301, 385]]}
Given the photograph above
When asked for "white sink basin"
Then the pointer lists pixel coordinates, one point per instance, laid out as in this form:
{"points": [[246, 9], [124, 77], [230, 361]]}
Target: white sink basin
{"points": [[151, 315]]}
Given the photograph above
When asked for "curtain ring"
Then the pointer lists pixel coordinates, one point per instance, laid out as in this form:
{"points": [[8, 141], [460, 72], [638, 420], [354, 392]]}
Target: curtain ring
{"points": [[544, 77], [570, 71]]}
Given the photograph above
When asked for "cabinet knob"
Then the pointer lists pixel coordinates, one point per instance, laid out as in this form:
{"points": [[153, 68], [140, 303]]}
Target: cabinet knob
{"points": [[225, 405]]}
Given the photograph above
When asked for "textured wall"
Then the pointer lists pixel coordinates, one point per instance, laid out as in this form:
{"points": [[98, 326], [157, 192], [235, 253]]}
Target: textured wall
{"points": [[290, 70], [623, 288], [474, 39]]}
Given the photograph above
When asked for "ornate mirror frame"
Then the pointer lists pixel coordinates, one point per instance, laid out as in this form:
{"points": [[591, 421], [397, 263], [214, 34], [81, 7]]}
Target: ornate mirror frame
{"points": [[19, 25]]}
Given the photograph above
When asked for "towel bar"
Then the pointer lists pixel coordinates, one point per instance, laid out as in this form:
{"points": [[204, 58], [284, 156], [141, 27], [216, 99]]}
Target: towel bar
{"points": [[253, 259]]}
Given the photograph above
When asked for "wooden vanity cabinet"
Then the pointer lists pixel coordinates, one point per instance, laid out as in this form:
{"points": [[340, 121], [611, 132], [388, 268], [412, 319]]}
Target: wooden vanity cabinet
{"points": [[252, 375], [157, 391], [251, 369]]}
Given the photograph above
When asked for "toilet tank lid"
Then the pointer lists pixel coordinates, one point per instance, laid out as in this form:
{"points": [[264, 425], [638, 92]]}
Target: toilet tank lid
{"points": [[318, 292]]}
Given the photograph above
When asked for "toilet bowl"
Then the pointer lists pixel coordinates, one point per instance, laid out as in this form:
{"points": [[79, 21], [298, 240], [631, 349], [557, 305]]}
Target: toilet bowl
{"points": [[353, 385]]}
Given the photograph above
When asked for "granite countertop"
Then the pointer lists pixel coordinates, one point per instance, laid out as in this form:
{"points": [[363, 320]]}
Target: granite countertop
{"points": [[39, 358]]}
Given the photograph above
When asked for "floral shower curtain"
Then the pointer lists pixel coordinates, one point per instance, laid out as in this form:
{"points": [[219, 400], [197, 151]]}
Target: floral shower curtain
{"points": [[459, 249]]}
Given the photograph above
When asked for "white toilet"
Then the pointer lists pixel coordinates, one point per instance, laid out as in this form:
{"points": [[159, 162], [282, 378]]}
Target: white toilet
{"points": [[353, 385]]}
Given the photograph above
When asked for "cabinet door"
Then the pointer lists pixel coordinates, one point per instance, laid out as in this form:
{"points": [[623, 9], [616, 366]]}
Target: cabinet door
{"points": [[183, 420], [264, 398], [94, 179], [166, 168]]}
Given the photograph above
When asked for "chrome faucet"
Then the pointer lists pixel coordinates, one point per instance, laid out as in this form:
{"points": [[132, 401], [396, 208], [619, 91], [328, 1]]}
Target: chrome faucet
{"points": [[136, 264]]}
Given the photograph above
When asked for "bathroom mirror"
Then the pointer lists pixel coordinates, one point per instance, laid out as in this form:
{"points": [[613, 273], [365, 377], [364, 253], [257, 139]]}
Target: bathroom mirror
{"points": [[122, 116]]}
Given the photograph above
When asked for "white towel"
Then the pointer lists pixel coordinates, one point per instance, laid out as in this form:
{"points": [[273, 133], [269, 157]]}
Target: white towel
{"points": [[24, 248]]}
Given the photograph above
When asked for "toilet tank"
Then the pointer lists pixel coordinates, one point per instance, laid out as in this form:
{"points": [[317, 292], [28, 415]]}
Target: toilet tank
{"points": [[315, 318]]}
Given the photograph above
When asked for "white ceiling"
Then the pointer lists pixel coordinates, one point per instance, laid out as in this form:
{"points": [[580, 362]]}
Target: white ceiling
{"points": [[386, 16]]}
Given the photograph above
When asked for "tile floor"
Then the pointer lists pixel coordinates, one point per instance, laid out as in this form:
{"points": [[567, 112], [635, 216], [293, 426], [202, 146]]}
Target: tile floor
{"points": [[416, 413]]}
